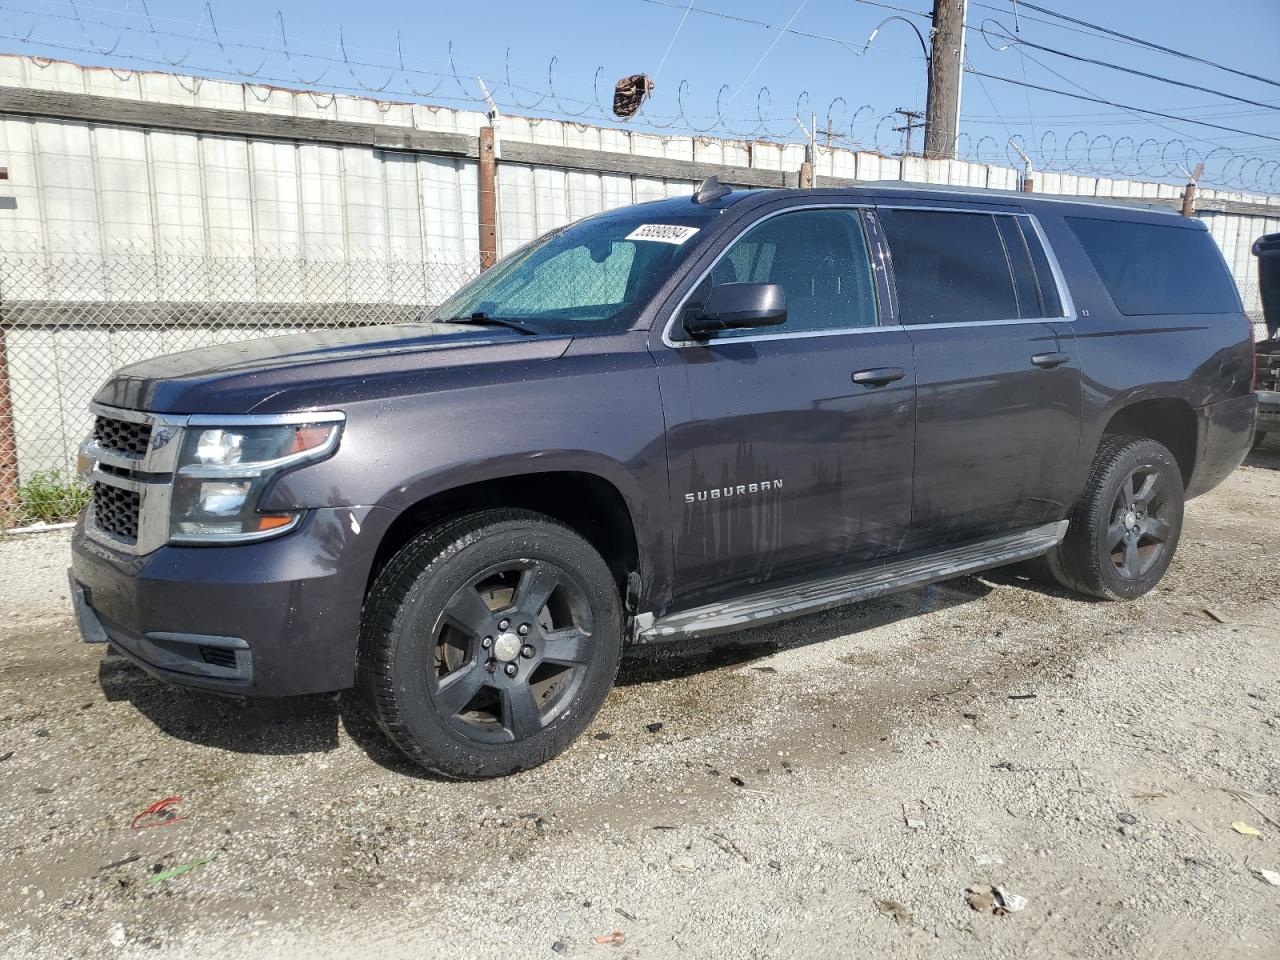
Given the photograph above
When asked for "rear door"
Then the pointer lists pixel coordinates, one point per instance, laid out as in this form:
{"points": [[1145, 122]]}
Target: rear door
{"points": [[789, 447], [998, 380]]}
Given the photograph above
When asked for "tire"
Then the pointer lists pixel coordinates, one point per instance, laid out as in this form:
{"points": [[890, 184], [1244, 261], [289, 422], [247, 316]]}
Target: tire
{"points": [[489, 642], [1119, 550]]}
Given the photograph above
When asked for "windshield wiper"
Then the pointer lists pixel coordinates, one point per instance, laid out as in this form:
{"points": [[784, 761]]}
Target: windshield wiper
{"points": [[482, 319]]}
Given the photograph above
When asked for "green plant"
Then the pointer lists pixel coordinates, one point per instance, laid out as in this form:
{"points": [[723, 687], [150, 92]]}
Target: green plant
{"points": [[51, 496]]}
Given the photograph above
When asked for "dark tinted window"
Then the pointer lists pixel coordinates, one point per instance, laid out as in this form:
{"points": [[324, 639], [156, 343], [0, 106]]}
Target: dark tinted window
{"points": [[1049, 299], [820, 259], [949, 267], [1150, 268], [1024, 274]]}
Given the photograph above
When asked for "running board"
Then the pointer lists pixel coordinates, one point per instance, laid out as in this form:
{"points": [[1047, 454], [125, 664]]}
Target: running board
{"points": [[794, 599]]}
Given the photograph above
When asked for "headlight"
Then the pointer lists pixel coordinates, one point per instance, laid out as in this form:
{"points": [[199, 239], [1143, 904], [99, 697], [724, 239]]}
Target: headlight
{"points": [[226, 464]]}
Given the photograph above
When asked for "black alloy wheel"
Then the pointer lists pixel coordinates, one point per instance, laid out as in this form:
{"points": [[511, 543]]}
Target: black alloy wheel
{"points": [[1138, 534], [511, 647], [1124, 530], [489, 642]]}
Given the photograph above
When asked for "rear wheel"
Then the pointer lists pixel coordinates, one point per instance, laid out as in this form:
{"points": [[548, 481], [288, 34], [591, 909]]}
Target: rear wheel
{"points": [[1124, 531], [490, 642], [1259, 438]]}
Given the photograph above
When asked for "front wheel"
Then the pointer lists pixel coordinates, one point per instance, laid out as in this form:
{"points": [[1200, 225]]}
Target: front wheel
{"points": [[490, 642], [1124, 531]]}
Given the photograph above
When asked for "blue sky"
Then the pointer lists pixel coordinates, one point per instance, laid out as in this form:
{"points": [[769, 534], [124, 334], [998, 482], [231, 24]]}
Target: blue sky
{"points": [[723, 62]]}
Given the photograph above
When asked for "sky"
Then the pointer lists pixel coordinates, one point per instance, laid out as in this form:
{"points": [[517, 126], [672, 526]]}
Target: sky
{"points": [[713, 58]]}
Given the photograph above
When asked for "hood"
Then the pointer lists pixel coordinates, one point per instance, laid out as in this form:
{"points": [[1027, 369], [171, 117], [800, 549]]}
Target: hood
{"points": [[304, 370], [1267, 250]]}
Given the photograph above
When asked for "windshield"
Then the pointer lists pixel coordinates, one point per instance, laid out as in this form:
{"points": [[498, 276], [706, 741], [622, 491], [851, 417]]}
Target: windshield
{"points": [[586, 277]]}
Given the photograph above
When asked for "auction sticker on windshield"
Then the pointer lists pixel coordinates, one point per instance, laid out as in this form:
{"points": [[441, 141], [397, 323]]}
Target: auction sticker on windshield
{"points": [[662, 233]]}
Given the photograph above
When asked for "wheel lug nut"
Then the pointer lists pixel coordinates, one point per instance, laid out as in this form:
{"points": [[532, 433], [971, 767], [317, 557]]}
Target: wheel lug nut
{"points": [[524, 630], [486, 643], [526, 651], [511, 669], [504, 624]]}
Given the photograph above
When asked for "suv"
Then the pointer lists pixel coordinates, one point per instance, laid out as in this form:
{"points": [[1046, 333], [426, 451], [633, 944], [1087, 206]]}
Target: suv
{"points": [[1267, 377], [669, 420]]}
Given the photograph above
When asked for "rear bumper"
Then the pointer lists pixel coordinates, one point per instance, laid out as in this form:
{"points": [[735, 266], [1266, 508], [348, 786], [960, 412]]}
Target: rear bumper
{"points": [[1226, 432], [276, 618], [1269, 411]]}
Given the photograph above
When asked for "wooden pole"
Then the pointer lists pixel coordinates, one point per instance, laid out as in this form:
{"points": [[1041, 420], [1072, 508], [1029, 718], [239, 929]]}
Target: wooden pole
{"points": [[488, 183], [942, 113]]}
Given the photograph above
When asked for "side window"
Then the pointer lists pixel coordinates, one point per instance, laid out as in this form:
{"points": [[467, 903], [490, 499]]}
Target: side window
{"points": [[1150, 268], [818, 256], [1024, 275], [1049, 297], [949, 267]]}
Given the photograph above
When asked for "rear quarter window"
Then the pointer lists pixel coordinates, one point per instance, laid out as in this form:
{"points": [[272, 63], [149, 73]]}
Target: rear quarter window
{"points": [[1149, 268]]}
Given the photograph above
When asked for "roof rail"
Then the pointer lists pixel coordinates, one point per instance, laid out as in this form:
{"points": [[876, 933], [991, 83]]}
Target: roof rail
{"points": [[1154, 204]]}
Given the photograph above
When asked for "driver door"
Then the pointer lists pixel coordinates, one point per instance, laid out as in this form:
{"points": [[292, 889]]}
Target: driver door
{"points": [[785, 459]]}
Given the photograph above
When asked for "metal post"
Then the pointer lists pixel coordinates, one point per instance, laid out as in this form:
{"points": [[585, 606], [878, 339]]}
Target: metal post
{"points": [[946, 64], [10, 505], [1189, 199], [1028, 172], [488, 183], [810, 151], [1189, 192]]}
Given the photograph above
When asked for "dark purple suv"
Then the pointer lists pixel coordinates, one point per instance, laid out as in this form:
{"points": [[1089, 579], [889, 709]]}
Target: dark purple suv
{"points": [[669, 420]]}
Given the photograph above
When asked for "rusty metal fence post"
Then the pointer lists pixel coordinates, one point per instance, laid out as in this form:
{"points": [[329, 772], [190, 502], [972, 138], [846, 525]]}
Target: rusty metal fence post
{"points": [[10, 505]]}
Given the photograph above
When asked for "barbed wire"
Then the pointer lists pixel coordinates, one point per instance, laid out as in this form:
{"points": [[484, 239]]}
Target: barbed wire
{"points": [[137, 41]]}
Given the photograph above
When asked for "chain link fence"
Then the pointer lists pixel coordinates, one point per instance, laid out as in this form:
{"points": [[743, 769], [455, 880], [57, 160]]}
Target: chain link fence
{"points": [[71, 319]]}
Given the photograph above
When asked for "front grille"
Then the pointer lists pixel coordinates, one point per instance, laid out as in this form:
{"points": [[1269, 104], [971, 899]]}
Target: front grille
{"points": [[116, 511], [122, 436], [219, 657]]}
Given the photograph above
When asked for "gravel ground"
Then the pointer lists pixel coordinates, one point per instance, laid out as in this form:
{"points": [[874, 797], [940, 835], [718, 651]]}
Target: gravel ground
{"points": [[1088, 757]]}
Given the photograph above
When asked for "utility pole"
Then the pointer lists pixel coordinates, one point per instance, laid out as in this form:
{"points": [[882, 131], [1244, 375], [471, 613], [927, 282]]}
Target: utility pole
{"points": [[913, 122], [946, 68]]}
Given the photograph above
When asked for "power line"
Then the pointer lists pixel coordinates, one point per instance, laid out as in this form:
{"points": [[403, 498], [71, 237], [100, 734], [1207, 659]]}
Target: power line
{"points": [[1151, 45], [672, 42], [752, 72], [1019, 42], [1122, 106], [1092, 93], [850, 46]]}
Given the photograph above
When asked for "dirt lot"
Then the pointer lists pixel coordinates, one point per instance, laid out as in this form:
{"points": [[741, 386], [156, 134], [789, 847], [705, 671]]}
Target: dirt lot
{"points": [[1089, 757]]}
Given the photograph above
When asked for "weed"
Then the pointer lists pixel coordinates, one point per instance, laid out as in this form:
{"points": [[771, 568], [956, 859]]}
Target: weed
{"points": [[51, 496]]}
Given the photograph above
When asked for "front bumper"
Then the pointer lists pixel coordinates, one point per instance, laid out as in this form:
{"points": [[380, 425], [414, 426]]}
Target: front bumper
{"points": [[275, 618], [1269, 411]]}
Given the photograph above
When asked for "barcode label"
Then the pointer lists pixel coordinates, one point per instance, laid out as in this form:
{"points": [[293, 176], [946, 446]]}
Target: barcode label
{"points": [[662, 233]]}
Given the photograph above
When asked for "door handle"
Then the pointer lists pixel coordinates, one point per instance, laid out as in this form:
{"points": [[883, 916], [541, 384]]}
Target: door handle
{"points": [[878, 376], [1047, 361]]}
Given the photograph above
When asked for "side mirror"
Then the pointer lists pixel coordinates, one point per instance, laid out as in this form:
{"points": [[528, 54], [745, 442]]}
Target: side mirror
{"points": [[735, 306]]}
